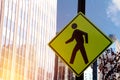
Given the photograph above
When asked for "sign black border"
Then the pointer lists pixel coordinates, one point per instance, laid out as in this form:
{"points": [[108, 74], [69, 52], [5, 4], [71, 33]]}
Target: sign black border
{"points": [[78, 74]]}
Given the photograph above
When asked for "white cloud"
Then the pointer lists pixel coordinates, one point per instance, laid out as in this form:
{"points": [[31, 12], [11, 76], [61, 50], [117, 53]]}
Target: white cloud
{"points": [[113, 11], [117, 3]]}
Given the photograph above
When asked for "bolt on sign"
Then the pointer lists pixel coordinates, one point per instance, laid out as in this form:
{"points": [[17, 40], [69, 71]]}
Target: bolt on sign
{"points": [[80, 43]]}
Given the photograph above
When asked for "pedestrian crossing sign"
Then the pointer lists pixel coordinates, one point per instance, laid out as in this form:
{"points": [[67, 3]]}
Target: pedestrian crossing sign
{"points": [[80, 43]]}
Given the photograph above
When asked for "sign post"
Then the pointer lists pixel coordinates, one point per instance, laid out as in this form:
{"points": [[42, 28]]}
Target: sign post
{"points": [[81, 7]]}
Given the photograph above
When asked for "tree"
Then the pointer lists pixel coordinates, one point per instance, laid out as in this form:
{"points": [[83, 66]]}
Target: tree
{"points": [[109, 65]]}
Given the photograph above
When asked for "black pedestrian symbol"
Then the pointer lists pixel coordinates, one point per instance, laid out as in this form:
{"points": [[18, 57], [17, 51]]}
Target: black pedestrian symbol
{"points": [[78, 36]]}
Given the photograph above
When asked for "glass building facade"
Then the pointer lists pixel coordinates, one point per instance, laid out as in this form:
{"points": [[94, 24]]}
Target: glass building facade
{"points": [[26, 27]]}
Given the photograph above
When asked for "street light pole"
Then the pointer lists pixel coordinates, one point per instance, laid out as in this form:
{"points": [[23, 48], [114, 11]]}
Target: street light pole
{"points": [[81, 8]]}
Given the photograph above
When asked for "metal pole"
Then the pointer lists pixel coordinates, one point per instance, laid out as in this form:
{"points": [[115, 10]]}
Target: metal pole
{"points": [[81, 8], [95, 70]]}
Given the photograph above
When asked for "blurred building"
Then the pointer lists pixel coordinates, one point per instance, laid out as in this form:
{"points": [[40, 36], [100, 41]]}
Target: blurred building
{"points": [[88, 74], [63, 72], [117, 45], [26, 27], [116, 42]]}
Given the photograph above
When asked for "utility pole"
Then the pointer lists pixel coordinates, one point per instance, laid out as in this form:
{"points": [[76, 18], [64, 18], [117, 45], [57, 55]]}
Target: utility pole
{"points": [[81, 8]]}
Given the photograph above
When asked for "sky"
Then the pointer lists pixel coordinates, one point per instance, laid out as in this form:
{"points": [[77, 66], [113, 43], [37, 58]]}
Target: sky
{"points": [[105, 14]]}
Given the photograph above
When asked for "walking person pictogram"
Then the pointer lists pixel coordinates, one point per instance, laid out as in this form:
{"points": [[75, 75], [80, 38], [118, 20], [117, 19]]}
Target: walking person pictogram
{"points": [[78, 36]]}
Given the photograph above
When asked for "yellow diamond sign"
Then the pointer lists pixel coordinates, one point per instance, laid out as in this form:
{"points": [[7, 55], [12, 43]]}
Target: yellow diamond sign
{"points": [[80, 43]]}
